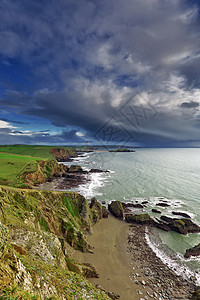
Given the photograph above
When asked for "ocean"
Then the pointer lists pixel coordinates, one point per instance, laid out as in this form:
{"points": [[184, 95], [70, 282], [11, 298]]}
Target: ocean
{"points": [[149, 175]]}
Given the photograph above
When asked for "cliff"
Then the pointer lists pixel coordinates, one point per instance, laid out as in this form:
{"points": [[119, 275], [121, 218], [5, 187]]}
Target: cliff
{"points": [[63, 154], [38, 230], [42, 171]]}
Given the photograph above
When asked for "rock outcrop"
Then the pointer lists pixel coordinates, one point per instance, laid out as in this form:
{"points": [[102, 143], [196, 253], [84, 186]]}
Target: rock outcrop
{"points": [[182, 214], [183, 226], [43, 171], [162, 204], [98, 171], [134, 205], [63, 154], [116, 209], [195, 251], [156, 211], [75, 169], [143, 219]]}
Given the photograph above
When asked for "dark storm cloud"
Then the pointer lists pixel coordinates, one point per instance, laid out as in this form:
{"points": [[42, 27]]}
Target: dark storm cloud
{"points": [[95, 55], [191, 104]]}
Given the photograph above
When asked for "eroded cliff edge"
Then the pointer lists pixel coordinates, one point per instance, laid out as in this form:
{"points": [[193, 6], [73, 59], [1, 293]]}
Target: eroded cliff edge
{"points": [[37, 231]]}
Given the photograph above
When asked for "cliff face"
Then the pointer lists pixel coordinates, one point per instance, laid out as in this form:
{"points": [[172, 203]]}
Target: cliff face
{"points": [[43, 171], [37, 232], [62, 154]]}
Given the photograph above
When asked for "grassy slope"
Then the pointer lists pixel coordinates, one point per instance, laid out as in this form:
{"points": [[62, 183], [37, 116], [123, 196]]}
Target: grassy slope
{"points": [[11, 165], [37, 221], [28, 150], [36, 228], [14, 159]]}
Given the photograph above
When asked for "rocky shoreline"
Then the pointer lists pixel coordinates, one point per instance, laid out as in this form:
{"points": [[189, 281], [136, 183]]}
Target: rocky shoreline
{"points": [[162, 281], [159, 278], [72, 178]]}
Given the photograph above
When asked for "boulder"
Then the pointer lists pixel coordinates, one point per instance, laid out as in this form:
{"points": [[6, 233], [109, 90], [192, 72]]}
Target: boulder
{"points": [[194, 251], [116, 209], [167, 219], [75, 169], [156, 211], [134, 205], [140, 219], [177, 213], [163, 226], [182, 226], [162, 204], [98, 171], [145, 202]]}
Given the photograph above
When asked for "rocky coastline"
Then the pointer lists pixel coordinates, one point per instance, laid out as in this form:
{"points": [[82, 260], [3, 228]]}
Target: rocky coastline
{"points": [[152, 278], [158, 277], [71, 178]]}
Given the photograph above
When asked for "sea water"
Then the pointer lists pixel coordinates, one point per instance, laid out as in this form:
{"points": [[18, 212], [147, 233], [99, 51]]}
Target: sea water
{"points": [[153, 175]]}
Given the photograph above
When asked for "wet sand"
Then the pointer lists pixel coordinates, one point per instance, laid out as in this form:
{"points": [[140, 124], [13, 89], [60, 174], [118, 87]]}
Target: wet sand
{"points": [[111, 259]]}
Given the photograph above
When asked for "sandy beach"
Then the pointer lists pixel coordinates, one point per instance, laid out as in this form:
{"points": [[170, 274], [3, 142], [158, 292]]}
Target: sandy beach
{"points": [[111, 259], [128, 267]]}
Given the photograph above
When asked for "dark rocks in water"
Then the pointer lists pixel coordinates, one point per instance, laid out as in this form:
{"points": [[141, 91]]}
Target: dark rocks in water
{"points": [[194, 251], [167, 219], [183, 226], [181, 214], [140, 219], [103, 202], [162, 204], [98, 171], [116, 209], [163, 226], [156, 211], [104, 212], [136, 205], [145, 202], [127, 210]]}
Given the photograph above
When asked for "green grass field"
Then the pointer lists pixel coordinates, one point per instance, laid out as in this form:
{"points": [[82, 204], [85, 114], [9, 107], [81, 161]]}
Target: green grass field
{"points": [[12, 165], [14, 159], [34, 151]]}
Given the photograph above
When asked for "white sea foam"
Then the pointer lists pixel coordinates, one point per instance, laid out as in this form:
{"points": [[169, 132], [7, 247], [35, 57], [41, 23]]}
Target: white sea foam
{"points": [[89, 189], [80, 158], [172, 262]]}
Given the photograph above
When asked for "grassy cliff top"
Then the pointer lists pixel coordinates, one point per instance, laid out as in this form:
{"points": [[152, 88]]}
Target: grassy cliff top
{"points": [[31, 150], [16, 159]]}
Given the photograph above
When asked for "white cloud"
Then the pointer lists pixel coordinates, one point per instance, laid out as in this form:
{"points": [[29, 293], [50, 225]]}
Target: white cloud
{"points": [[4, 124], [80, 134]]}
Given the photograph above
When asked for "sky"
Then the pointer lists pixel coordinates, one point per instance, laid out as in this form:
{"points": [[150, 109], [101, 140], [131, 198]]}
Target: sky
{"points": [[123, 72]]}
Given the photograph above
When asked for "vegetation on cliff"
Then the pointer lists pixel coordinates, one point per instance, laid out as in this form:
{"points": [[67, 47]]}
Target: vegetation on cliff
{"points": [[37, 231], [24, 166]]}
